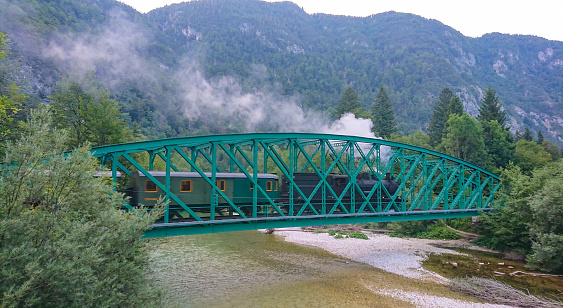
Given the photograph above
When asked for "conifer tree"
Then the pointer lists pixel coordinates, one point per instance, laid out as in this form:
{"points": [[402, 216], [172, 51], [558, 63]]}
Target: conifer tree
{"points": [[490, 109], [383, 118], [540, 137], [448, 104], [348, 103], [517, 136], [527, 134], [456, 106]]}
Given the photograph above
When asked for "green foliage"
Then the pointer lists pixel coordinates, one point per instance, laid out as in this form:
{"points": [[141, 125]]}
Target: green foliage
{"points": [[358, 235], [551, 149], [349, 103], [462, 224], [463, 138], [527, 135], [546, 227], [410, 228], [96, 120], [498, 144], [456, 106], [448, 104], [383, 117], [430, 229], [529, 155], [11, 99], [540, 137], [491, 109], [532, 221], [439, 232], [64, 242], [419, 139], [507, 228]]}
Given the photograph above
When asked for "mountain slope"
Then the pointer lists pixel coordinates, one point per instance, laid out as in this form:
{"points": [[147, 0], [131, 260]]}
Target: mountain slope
{"points": [[204, 51]]}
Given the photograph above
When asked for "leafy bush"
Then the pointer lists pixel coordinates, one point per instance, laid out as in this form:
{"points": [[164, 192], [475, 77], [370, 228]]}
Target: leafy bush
{"points": [[411, 228], [430, 229], [358, 235], [439, 232], [462, 224], [63, 240]]}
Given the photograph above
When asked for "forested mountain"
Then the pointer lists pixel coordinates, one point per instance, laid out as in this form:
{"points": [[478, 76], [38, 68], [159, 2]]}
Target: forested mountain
{"points": [[213, 66]]}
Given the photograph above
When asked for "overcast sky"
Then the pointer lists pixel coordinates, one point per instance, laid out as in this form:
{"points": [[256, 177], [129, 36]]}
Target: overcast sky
{"points": [[472, 18]]}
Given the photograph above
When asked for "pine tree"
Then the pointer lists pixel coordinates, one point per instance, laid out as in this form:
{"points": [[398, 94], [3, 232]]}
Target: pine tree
{"points": [[540, 137], [491, 109], [447, 104], [517, 136], [527, 134], [456, 106], [348, 103], [384, 122]]}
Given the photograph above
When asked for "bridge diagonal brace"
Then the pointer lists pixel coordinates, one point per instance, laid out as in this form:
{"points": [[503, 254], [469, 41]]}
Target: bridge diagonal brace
{"points": [[206, 178], [323, 177], [449, 184], [162, 187], [412, 169], [285, 172], [255, 183], [378, 185], [476, 193], [491, 195], [461, 192]]}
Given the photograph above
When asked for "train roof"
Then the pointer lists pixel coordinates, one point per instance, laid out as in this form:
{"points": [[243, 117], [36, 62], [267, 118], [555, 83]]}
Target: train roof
{"points": [[222, 175], [106, 173]]}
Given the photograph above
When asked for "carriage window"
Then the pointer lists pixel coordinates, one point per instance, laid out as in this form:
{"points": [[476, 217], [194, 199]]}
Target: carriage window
{"points": [[221, 184], [186, 186], [251, 186], [269, 186], [150, 186], [276, 185]]}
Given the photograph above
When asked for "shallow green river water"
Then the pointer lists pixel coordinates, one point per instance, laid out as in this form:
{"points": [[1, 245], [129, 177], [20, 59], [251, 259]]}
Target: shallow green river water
{"points": [[251, 269]]}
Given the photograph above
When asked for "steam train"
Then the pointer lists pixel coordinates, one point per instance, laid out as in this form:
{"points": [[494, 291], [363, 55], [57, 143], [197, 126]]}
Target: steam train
{"points": [[196, 192]]}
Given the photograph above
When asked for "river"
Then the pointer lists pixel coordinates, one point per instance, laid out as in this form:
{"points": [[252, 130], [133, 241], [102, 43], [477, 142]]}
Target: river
{"points": [[252, 269]]}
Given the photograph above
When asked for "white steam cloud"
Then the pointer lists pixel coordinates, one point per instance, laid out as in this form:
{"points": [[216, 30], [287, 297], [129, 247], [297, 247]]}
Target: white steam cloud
{"points": [[112, 53]]}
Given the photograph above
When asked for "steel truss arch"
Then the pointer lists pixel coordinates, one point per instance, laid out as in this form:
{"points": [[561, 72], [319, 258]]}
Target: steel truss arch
{"points": [[431, 185]]}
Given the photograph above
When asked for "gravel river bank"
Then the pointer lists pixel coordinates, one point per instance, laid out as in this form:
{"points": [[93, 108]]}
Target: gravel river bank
{"points": [[394, 255]]}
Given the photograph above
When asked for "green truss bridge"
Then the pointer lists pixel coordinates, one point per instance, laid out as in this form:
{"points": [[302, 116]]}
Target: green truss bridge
{"points": [[269, 180]]}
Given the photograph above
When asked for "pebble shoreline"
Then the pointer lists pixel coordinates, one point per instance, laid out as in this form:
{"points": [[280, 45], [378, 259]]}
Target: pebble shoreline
{"points": [[395, 255]]}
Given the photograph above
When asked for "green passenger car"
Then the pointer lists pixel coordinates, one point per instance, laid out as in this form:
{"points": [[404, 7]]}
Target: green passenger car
{"points": [[196, 192]]}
